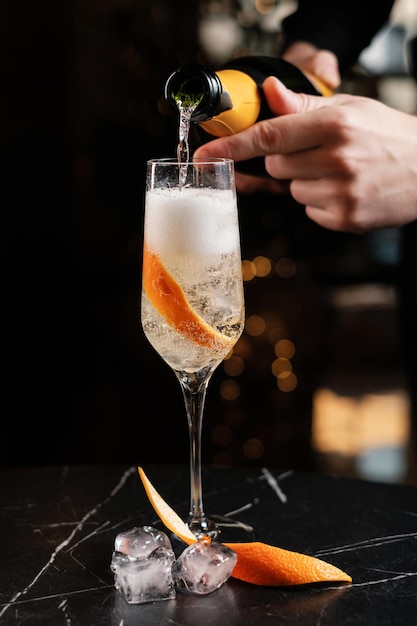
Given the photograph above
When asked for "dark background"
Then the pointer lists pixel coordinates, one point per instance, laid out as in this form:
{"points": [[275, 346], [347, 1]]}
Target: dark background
{"points": [[82, 111]]}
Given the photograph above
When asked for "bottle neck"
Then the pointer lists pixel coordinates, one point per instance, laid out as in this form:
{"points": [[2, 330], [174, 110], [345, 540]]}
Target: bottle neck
{"points": [[197, 87], [231, 97]]}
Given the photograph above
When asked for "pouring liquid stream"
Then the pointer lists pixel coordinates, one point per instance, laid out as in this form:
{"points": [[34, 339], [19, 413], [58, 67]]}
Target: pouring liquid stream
{"points": [[186, 107]]}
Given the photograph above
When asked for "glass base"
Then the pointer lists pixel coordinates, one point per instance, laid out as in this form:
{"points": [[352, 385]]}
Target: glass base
{"points": [[203, 528], [230, 530], [223, 529]]}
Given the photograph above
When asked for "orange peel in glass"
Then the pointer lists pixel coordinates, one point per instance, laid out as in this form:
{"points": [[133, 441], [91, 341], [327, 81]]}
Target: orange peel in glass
{"points": [[167, 297], [257, 563]]}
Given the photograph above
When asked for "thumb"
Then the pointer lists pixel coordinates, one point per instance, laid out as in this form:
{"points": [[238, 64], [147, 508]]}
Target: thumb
{"points": [[324, 66], [283, 101]]}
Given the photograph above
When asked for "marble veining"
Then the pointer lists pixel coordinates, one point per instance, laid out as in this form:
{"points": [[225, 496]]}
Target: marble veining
{"points": [[57, 528]]}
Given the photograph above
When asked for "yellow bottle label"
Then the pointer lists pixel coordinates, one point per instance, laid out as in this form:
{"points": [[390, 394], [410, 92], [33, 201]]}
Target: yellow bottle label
{"points": [[246, 105]]}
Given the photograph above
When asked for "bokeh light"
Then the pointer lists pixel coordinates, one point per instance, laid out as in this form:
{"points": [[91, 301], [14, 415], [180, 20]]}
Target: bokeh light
{"points": [[287, 381], [253, 448], [222, 435], [281, 366], [285, 348], [234, 365], [229, 390], [255, 325], [285, 267], [248, 270], [263, 266]]}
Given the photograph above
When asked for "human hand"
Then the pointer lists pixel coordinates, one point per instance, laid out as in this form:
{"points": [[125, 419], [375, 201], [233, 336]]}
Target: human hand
{"points": [[322, 69], [352, 161], [315, 64]]}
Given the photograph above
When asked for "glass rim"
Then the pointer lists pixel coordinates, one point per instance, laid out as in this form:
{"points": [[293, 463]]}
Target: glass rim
{"points": [[192, 161]]}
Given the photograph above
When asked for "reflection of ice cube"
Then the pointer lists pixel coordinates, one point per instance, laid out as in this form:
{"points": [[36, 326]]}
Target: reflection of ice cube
{"points": [[142, 563], [203, 567]]}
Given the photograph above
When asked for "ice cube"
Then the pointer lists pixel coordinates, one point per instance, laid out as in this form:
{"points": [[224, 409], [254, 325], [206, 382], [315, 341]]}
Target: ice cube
{"points": [[142, 563], [141, 541], [203, 567]]}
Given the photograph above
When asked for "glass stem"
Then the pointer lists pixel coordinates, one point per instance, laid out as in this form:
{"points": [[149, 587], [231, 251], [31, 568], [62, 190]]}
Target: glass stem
{"points": [[194, 391]]}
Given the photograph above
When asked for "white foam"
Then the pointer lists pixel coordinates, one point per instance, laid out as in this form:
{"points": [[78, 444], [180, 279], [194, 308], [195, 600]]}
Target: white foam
{"points": [[193, 221]]}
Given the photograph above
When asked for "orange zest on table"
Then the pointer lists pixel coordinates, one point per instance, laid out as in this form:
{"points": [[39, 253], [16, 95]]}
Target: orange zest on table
{"points": [[257, 563], [261, 564], [166, 295]]}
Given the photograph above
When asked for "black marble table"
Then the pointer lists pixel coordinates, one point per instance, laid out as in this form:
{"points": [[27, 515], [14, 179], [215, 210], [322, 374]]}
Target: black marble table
{"points": [[58, 524]]}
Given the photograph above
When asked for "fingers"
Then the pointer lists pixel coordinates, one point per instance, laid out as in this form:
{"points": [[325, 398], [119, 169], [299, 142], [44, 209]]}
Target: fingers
{"points": [[317, 193], [316, 64], [326, 219], [279, 135], [247, 184], [324, 65], [257, 141], [309, 162], [300, 124], [283, 101], [329, 203]]}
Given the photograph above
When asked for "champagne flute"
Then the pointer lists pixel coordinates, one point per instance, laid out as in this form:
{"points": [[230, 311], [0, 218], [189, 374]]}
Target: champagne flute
{"points": [[192, 308]]}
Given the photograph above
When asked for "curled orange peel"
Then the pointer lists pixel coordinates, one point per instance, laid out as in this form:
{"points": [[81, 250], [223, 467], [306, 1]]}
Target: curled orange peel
{"points": [[170, 519], [257, 563], [168, 298]]}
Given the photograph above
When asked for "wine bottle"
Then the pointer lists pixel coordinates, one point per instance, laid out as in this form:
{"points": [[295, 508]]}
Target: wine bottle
{"points": [[231, 99]]}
